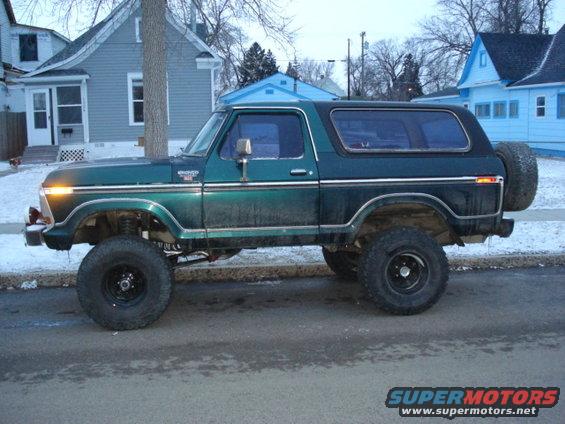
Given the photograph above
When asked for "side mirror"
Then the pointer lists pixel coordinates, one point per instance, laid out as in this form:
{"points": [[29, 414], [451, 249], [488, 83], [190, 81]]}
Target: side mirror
{"points": [[243, 147], [243, 150]]}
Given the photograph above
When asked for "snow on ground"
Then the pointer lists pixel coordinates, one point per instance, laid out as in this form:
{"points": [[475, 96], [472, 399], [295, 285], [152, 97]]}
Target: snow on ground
{"points": [[528, 237], [4, 166], [20, 190], [551, 189]]}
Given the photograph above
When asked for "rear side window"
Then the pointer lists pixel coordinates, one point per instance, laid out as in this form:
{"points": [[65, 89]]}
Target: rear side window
{"points": [[273, 136], [398, 130]]}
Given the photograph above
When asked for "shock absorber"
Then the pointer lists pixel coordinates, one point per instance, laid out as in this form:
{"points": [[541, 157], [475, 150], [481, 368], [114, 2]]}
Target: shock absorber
{"points": [[127, 225]]}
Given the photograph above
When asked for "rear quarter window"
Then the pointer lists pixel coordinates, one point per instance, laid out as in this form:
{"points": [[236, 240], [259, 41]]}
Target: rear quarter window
{"points": [[398, 130]]}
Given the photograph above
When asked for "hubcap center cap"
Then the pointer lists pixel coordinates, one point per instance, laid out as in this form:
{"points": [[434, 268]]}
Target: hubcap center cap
{"points": [[404, 271]]}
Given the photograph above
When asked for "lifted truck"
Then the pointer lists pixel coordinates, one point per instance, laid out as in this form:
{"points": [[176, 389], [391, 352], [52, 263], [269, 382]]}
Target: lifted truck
{"points": [[380, 186]]}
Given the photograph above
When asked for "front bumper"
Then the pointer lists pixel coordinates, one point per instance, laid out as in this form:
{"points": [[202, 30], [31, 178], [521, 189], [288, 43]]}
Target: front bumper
{"points": [[34, 234]]}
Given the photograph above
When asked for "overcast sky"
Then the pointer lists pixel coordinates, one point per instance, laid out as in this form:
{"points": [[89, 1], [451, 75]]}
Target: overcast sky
{"points": [[323, 26]]}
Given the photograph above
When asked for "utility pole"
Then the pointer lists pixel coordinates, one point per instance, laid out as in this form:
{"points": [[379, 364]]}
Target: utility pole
{"points": [[349, 69], [363, 64]]}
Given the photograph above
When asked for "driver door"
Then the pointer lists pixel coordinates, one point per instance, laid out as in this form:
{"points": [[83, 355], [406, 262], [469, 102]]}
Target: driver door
{"points": [[278, 204]]}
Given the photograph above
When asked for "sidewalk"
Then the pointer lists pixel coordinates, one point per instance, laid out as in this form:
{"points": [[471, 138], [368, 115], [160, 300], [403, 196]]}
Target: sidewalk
{"points": [[531, 215]]}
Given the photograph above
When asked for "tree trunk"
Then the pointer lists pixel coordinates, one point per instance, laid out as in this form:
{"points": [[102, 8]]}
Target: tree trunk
{"points": [[154, 78]]}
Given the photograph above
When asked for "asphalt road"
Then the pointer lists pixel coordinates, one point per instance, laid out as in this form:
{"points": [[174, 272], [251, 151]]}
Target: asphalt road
{"points": [[295, 351]]}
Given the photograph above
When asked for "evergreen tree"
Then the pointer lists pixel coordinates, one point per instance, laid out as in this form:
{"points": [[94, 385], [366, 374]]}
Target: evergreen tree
{"points": [[407, 85], [256, 65], [292, 70]]}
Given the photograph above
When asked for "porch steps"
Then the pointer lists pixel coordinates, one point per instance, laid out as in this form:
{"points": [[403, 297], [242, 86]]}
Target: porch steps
{"points": [[40, 155]]}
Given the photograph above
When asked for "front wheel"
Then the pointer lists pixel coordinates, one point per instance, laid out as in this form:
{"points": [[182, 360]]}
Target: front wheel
{"points": [[404, 270], [125, 283]]}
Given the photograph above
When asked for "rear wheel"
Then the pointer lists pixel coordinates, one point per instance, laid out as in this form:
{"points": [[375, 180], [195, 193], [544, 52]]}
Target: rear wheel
{"points": [[404, 270], [343, 263], [125, 283]]}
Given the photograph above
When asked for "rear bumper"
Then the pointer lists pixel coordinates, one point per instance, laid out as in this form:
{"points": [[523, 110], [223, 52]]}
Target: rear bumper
{"points": [[34, 234], [505, 228]]}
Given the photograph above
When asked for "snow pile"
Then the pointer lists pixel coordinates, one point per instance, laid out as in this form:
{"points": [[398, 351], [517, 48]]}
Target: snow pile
{"points": [[29, 285], [528, 238]]}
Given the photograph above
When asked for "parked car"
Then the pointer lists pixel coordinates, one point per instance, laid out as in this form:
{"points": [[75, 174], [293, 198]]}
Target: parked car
{"points": [[380, 186]]}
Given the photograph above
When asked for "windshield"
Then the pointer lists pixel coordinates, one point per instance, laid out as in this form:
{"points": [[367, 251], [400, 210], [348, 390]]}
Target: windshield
{"points": [[199, 146]]}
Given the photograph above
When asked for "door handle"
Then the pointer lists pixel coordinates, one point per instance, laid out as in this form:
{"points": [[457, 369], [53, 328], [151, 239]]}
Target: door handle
{"points": [[298, 172]]}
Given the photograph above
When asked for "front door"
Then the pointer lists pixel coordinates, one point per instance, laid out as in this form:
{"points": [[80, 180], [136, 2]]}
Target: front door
{"points": [[279, 202], [39, 118]]}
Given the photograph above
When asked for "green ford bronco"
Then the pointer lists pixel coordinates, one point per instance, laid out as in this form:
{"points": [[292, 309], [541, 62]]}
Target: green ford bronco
{"points": [[380, 186]]}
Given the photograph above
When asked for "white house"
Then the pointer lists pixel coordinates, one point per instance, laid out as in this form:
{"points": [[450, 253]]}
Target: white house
{"points": [[22, 48], [515, 85]]}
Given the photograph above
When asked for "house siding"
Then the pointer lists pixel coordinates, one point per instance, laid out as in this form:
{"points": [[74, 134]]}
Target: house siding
{"points": [[478, 74], [189, 89], [45, 46], [5, 43]]}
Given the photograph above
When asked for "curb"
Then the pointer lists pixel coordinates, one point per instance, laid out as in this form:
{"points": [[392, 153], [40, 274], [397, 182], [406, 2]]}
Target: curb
{"points": [[212, 273]]}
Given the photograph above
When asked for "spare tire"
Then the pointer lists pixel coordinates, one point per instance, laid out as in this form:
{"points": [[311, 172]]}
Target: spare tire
{"points": [[521, 181]]}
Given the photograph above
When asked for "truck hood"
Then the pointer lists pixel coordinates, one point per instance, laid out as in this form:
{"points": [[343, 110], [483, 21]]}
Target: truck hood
{"points": [[121, 171]]}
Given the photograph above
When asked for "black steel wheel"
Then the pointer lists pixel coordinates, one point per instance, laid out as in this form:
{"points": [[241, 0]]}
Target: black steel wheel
{"points": [[404, 270], [125, 283]]}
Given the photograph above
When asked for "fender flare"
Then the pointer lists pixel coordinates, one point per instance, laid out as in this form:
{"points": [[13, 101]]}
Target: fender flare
{"points": [[87, 209]]}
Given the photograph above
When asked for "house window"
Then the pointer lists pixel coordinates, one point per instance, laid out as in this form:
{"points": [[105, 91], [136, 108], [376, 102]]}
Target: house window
{"points": [[482, 110], [138, 30], [483, 59], [513, 109], [499, 109], [135, 98], [561, 105], [269, 91], [540, 106], [28, 47], [69, 105], [283, 82]]}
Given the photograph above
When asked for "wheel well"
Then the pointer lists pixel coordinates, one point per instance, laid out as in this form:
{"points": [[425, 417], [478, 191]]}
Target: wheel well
{"points": [[417, 215], [102, 225]]}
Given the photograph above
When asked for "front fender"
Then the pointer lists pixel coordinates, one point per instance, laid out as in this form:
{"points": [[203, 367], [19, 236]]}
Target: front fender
{"points": [[61, 235]]}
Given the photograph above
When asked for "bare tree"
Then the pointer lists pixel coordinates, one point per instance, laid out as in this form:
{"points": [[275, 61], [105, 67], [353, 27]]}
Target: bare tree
{"points": [[154, 78], [312, 70], [448, 36]]}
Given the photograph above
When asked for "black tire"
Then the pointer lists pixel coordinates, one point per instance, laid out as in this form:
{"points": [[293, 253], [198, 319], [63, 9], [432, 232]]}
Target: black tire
{"points": [[125, 283], [344, 264], [395, 252], [521, 181]]}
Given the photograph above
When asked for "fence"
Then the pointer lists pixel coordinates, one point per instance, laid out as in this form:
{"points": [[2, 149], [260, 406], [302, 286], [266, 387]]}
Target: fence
{"points": [[13, 134]]}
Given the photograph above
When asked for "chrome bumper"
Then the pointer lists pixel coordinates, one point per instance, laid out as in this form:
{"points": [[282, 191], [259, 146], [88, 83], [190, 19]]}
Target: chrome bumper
{"points": [[34, 234]]}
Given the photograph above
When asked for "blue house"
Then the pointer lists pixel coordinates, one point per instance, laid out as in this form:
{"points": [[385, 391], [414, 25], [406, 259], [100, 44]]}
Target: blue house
{"points": [[515, 85], [278, 87]]}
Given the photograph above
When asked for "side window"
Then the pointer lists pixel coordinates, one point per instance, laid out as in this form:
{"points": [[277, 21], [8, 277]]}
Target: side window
{"points": [[378, 130], [273, 136]]}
